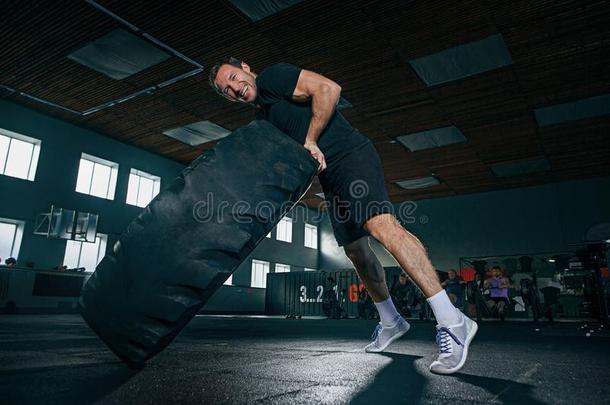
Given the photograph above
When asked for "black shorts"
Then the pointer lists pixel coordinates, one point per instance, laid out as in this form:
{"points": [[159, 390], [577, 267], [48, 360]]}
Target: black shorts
{"points": [[354, 191]]}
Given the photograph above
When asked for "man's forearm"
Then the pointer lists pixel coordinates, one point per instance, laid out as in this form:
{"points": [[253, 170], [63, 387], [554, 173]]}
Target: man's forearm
{"points": [[322, 108]]}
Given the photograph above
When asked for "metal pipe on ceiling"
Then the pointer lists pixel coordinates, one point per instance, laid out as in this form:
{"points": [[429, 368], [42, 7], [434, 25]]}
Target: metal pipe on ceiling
{"points": [[111, 103]]}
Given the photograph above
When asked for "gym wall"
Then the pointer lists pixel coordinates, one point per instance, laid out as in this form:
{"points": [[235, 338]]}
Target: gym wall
{"points": [[55, 181], [547, 218]]}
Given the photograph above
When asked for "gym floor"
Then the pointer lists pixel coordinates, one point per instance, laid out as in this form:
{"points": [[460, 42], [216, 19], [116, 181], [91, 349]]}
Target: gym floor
{"points": [[57, 359]]}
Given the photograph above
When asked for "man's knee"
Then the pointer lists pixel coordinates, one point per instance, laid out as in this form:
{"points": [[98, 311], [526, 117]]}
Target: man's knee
{"points": [[364, 260], [386, 229], [359, 250], [383, 227]]}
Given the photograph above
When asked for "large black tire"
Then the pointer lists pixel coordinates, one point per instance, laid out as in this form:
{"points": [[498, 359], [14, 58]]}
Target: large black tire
{"points": [[174, 255]]}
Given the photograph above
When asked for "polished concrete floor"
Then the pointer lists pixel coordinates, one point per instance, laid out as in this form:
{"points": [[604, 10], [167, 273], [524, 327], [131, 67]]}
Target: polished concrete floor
{"points": [[56, 359]]}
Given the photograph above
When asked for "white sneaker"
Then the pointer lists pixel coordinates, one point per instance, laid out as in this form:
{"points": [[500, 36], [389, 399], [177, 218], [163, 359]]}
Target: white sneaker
{"points": [[383, 336], [453, 342]]}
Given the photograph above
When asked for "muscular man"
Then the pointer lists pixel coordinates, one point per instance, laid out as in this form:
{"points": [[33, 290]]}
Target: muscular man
{"points": [[302, 104]]}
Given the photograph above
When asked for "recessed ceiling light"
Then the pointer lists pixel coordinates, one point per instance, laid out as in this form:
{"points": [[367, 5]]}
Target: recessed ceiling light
{"points": [[258, 9], [432, 138], [572, 111], [197, 133], [119, 54], [463, 61], [422, 182], [522, 167]]}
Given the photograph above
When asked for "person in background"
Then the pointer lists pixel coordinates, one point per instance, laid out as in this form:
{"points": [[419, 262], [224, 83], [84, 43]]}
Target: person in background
{"points": [[11, 262], [498, 286], [402, 293], [473, 288], [454, 285]]}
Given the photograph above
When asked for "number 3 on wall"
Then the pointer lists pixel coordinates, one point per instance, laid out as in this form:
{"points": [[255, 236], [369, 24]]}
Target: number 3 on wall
{"points": [[303, 297]]}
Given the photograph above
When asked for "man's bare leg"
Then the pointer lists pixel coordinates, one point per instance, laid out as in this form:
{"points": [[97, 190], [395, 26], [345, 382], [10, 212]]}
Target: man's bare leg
{"points": [[410, 253], [455, 331], [392, 326], [369, 268]]}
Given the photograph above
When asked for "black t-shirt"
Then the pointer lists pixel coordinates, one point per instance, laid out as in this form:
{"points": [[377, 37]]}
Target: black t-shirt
{"points": [[275, 87]]}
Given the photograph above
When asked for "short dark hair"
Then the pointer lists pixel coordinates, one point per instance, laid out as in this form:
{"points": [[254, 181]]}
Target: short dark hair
{"points": [[230, 60], [11, 260]]}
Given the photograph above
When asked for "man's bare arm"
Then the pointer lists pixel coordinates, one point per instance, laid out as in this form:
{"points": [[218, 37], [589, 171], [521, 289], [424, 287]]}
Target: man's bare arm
{"points": [[324, 95]]}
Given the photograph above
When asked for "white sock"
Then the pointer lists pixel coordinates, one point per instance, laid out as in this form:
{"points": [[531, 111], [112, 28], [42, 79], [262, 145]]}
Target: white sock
{"points": [[387, 313], [444, 311]]}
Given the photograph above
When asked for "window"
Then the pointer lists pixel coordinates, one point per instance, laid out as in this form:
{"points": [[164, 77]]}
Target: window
{"points": [[284, 230], [269, 235], [308, 269], [97, 177], [260, 270], [11, 232], [282, 268], [143, 187], [18, 155], [85, 254], [229, 281], [311, 236]]}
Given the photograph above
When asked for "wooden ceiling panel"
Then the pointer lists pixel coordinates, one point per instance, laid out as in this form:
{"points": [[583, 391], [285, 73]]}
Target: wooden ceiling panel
{"points": [[526, 179], [409, 117], [507, 140], [398, 163], [197, 29], [466, 176], [476, 183], [398, 194], [560, 50], [420, 28], [446, 156], [577, 138], [485, 99], [453, 174]]}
